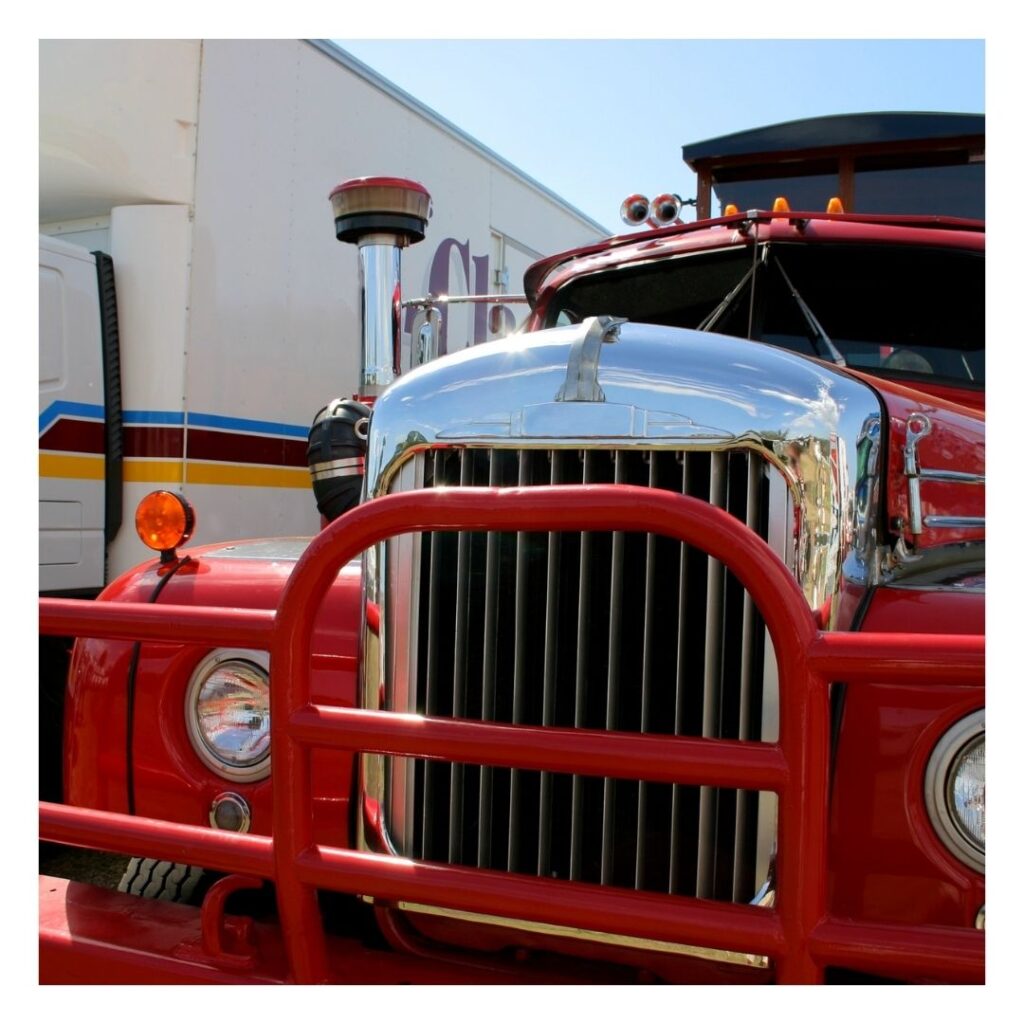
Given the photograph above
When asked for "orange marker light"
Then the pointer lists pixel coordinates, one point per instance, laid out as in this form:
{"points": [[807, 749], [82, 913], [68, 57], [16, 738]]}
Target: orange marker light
{"points": [[731, 209], [781, 205], [835, 205], [164, 520]]}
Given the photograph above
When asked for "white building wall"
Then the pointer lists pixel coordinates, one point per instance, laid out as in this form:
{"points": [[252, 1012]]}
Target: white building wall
{"points": [[249, 137]]}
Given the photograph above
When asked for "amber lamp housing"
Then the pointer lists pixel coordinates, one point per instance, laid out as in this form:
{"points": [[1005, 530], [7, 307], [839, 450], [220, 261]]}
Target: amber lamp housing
{"points": [[163, 521]]}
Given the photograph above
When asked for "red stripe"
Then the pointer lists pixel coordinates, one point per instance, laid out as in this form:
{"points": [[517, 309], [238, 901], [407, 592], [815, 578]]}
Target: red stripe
{"points": [[168, 442], [146, 442], [224, 446], [84, 436]]}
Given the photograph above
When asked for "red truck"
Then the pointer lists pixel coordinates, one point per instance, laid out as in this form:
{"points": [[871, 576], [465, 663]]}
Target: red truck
{"points": [[645, 644]]}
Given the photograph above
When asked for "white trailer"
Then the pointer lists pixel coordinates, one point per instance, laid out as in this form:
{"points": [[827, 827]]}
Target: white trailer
{"points": [[203, 169]]}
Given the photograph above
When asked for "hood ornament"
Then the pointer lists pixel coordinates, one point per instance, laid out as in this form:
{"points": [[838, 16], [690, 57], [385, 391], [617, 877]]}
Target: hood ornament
{"points": [[584, 356]]}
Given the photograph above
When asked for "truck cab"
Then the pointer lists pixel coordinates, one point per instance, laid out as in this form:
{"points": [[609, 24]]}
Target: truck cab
{"points": [[663, 659]]}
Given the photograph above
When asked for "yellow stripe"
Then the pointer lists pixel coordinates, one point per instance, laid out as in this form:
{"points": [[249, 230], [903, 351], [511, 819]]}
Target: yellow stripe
{"points": [[139, 471], [75, 467], [236, 475], [147, 471]]}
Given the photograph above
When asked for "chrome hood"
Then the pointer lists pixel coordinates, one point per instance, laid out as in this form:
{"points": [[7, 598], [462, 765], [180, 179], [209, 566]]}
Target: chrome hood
{"points": [[607, 383]]}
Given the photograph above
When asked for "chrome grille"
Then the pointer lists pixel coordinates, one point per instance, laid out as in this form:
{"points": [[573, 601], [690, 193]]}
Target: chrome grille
{"points": [[617, 631]]}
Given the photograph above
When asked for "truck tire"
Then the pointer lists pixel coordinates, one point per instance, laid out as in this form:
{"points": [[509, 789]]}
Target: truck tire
{"points": [[163, 880]]}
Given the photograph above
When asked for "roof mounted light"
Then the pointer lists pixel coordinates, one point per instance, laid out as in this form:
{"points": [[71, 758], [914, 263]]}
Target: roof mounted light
{"points": [[835, 205], [781, 205], [635, 210], [665, 209], [164, 521]]}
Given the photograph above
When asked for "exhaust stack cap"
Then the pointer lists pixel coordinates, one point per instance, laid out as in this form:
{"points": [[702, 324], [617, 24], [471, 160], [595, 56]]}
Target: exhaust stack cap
{"points": [[376, 206]]}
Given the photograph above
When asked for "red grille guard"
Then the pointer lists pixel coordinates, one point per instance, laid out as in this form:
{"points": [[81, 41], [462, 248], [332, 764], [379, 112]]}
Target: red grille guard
{"points": [[798, 934]]}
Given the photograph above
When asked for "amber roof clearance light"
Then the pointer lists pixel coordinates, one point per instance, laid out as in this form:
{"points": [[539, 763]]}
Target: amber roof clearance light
{"points": [[163, 521]]}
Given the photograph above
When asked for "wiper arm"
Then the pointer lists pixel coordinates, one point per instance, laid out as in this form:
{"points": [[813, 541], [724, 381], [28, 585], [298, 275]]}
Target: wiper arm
{"points": [[723, 307], [812, 321]]}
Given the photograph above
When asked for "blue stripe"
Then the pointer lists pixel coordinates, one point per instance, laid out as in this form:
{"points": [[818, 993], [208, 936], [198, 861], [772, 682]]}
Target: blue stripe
{"points": [[205, 419], [166, 419], [57, 409], [174, 419]]}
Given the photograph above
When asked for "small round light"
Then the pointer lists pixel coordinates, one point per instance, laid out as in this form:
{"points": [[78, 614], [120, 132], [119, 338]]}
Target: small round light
{"points": [[230, 813], [635, 209], [955, 790], [227, 714], [665, 209], [164, 520]]}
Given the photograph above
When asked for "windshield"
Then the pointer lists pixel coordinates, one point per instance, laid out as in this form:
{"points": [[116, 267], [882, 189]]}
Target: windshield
{"points": [[903, 312]]}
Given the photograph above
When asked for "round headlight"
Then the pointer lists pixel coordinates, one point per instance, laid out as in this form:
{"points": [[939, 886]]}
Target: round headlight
{"points": [[955, 790], [227, 713]]}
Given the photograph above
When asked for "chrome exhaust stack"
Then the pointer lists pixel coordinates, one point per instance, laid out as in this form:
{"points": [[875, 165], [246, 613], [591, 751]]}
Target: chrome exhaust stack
{"points": [[382, 216]]}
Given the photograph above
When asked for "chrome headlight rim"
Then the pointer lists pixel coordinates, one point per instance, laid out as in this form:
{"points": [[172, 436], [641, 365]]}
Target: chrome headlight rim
{"points": [[958, 741], [252, 659]]}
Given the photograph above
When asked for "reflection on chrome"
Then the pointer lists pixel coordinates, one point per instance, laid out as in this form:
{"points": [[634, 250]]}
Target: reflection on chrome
{"points": [[664, 387], [807, 435]]}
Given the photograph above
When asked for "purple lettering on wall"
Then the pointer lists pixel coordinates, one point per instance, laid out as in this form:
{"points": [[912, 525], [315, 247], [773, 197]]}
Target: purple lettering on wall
{"points": [[439, 282], [480, 265]]}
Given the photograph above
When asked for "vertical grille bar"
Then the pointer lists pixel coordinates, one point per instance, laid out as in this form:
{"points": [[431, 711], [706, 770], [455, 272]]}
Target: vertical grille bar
{"points": [[675, 883], [551, 605], [488, 682], [743, 879], [612, 692], [582, 651], [518, 671], [712, 688], [646, 683], [431, 683], [461, 643]]}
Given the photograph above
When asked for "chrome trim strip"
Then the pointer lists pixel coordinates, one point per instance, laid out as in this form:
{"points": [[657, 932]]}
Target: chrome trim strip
{"points": [[427, 301], [954, 522], [951, 476], [338, 467], [585, 935]]}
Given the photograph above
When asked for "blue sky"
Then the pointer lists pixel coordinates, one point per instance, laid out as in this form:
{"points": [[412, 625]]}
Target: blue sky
{"points": [[597, 119]]}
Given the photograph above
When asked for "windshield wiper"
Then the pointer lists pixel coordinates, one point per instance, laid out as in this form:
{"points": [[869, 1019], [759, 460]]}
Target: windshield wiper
{"points": [[726, 304], [831, 352]]}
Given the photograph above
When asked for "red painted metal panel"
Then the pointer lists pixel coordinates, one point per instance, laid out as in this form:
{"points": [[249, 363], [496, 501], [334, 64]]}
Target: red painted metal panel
{"points": [[727, 763], [218, 627], [165, 840], [680, 919], [932, 952], [796, 932]]}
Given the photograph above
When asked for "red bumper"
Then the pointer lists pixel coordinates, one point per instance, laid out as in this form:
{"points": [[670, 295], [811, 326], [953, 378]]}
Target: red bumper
{"points": [[797, 933]]}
